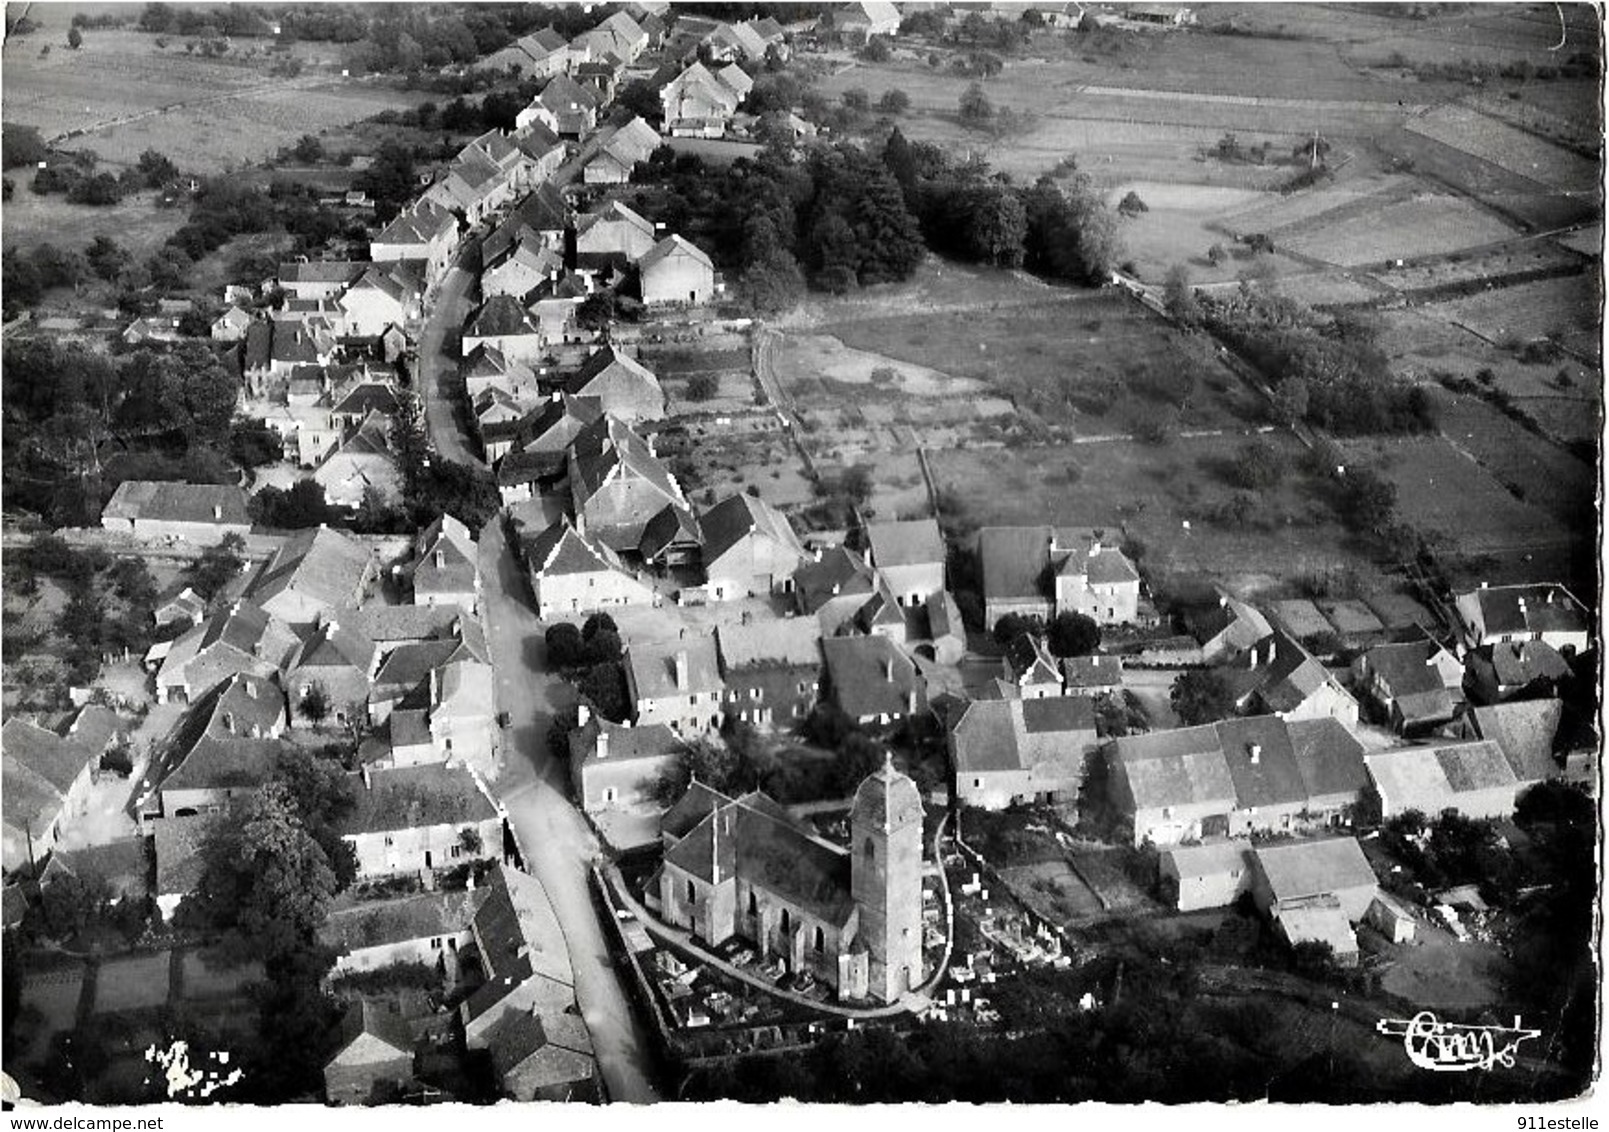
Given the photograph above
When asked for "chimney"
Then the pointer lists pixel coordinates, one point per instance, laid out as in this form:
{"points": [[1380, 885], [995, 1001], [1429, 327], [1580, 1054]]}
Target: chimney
{"points": [[441, 559], [1483, 585], [1223, 601], [1256, 753], [1549, 597], [368, 784], [603, 743], [582, 715], [910, 702], [818, 554], [681, 669], [229, 722], [217, 510], [888, 668]]}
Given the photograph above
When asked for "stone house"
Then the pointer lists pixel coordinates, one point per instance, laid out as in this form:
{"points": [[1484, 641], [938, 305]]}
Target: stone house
{"points": [[1544, 612], [872, 680], [910, 555], [48, 775], [749, 549], [314, 572], [1042, 571], [622, 386], [204, 514], [614, 766], [424, 927], [446, 566], [1418, 685], [374, 1055], [572, 575], [1211, 875], [240, 638], [676, 683], [676, 272], [773, 670], [338, 660], [421, 819], [617, 484], [1023, 750]]}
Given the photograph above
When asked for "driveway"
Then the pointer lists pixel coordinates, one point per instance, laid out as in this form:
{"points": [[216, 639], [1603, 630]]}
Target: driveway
{"points": [[438, 381], [556, 840]]}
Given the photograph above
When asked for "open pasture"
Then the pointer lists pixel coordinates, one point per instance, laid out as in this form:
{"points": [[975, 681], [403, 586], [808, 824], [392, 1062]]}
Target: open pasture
{"points": [[1151, 491], [1524, 198], [1097, 365], [1544, 475], [1442, 491], [245, 128], [136, 222]]}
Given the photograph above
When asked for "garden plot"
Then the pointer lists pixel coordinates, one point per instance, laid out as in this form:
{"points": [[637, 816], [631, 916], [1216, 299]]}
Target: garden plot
{"points": [[1428, 224], [207, 979], [1506, 147], [1054, 892], [53, 996], [1543, 474]]}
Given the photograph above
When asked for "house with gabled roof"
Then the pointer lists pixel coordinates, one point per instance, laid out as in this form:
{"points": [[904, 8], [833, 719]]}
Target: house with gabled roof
{"points": [[504, 324], [243, 637], [225, 745], [1545, 612], [676, 272], [1315, 890], [832, 585], [404, 673], [424, 927], [373, 1058], [201, 513], [1515, 670], [697, 103], [542, 215], [859, 21], [1236, 777], [677, 683], [1043, 571], [420, 819], [522, 270], [573, 574], [535, 56], [1029, 671], [338, 660], [486, 367], [619, 35], [872, 680], [361, 464], [383, 296], [353, 403], [1213, 874], [623, 386], [180, 604], [1021, 750], [1228, 628], [613, 231], [910, 555], [1092, 675], [1279, 676], [619, 152], [231, 325], [538, 445], [617, 484], [745, 868], [446, 566], [318, 279], [672, 538], [313, 573], [1474, 778], [462, 713], [424, 233], [615, 766], [47, 777], [749, 548], [772, 669], [564, 106], [1418, 685]]}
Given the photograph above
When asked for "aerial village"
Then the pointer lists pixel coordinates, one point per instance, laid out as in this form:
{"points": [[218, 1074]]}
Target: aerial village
{"points": [[633, 775]]}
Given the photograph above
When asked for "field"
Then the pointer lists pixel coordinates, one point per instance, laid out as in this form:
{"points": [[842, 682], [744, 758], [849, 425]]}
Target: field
{"points": [[1560, 309], [1427, 224], [1151, 492], [1508, 148], [1542, 474], [1096, 365], [137, 222], [120, 94], [1443, 491]]}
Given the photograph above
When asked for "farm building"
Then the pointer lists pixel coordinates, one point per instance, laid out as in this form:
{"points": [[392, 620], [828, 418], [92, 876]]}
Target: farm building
{"points": [[622, 386], [676, 272], [860, 21], [872, 680], [617, 484], [772, 669], [375, 1055], [1473, 778], [1278, 676], [419, 819], [572, 574], [47, 779], [749, 548], [1021, 750], [1042, 571], [910, 556], [1418, 685], [190, 512], [367, 935]]}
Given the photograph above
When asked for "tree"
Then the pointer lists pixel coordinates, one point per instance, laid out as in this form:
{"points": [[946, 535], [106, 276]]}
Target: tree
{"points": [[596, 311], [1202, 696], [216, 565], [1014, 625], [1072, 634], [857, 101], [315, 704], [297, 507], [1291, 400], [1179, 298], [604, 686], [894, 102], [565, 648], [75, 38], [252, 444], [975, 106], [308, 150], [877, 50], [702, 387], [156, 169], [21, 145], [1257, 466], [1132, 205], [1368, 501]]}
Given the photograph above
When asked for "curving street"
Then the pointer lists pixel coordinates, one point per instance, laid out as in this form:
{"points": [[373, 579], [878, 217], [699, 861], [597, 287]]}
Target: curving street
{"points": [[437, 377]]}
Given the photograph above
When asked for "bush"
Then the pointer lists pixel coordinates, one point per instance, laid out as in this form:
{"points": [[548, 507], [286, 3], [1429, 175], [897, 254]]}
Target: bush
{"points": [[702, 387]]}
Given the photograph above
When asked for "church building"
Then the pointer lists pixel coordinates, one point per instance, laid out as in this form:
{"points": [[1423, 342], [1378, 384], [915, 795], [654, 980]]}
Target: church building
{"points": [[851, 918]]}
